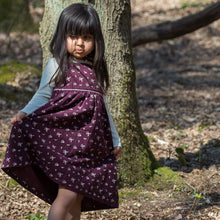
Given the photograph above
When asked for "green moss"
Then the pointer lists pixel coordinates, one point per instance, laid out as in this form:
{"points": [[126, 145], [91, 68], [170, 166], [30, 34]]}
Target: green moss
{"points": [[2, 155], [165, 178], [151, 139], [188, 4], [8, 74], [117, 211], [8, 71], [128, 193], [37, 216], [12, 183]]}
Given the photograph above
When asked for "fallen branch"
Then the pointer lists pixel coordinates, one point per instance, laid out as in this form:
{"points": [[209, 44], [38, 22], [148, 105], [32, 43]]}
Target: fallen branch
{"points": [[173, 29]]}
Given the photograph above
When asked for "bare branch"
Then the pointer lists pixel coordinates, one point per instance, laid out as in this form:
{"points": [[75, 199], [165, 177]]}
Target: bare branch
{"points": [[173, 29]]}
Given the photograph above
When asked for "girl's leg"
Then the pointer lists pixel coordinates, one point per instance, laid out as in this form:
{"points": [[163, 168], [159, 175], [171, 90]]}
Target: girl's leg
{"points": [[67, 205]]}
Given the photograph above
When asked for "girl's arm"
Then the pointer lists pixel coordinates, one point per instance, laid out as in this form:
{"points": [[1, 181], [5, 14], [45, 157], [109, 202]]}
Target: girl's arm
{"points": [[42, 95], [115, 136]]}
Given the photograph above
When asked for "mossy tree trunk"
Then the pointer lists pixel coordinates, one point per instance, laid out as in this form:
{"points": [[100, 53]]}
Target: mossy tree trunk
{"points": [[137, 161]]}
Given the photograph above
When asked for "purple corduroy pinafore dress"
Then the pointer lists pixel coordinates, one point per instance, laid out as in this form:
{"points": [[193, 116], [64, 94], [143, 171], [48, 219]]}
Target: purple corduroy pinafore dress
{"points": [[67, 142]]}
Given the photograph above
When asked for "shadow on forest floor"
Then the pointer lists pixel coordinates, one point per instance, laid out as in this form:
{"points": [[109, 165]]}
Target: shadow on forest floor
{"points": [[178, 79], [206, 157]]}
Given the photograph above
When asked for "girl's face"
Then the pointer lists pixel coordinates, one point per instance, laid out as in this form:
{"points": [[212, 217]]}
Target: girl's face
{"points": [[80, 45]]}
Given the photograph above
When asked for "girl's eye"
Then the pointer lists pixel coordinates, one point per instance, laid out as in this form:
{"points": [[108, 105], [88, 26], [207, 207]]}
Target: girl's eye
{"points": [[88, 37], [84, 37], [73, 37]]}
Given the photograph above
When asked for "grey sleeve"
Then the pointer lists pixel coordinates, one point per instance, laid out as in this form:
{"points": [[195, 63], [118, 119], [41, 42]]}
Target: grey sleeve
{"points": [[43, 94], [115, 136]]}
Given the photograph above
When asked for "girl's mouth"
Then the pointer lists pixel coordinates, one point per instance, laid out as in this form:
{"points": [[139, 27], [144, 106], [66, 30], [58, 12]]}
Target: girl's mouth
{"points": [[79, 51]]}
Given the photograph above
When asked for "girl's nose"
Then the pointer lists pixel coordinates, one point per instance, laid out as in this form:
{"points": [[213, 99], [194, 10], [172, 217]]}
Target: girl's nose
{"points": [[79, 41]]}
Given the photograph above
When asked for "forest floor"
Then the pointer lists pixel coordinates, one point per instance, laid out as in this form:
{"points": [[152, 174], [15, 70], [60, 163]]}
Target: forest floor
{"points": [[178, 91]]}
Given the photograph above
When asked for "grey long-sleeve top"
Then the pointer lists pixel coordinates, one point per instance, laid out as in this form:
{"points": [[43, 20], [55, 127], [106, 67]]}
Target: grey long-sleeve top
{"points": [[44, 92]]}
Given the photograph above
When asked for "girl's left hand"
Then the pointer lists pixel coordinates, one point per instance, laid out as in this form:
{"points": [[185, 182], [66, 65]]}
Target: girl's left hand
{"points": [[117, 152]]}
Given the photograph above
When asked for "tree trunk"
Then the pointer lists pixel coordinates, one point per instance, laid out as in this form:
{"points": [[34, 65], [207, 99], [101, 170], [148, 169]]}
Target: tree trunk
{"points": [[169, 30], [137, 161]]}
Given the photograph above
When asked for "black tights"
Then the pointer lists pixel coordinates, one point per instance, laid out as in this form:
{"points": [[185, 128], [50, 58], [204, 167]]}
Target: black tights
{"points": [[66, 206]]}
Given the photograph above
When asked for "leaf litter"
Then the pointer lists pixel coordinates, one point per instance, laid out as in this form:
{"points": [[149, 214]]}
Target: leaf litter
{"points": [[178, 92]]}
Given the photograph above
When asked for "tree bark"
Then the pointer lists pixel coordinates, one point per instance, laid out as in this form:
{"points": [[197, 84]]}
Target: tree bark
{"points": [[137, 161], [169, 30]]}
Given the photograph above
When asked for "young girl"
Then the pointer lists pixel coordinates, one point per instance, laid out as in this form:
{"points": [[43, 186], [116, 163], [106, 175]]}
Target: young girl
{"points": [[63, 145]]}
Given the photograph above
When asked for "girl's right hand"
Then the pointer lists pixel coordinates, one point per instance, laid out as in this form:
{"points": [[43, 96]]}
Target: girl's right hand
{"points": [[18, 117]]}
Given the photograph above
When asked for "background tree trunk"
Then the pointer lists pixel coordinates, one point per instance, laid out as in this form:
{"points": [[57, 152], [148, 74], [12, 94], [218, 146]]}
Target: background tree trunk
{"points": [[172, 29], [15, 16], [137, 161]]}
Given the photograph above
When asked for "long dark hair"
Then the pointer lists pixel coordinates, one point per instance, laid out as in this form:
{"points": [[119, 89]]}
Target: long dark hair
{"points": [[79, 19]]}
